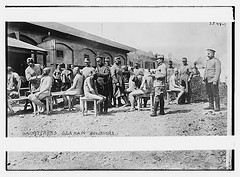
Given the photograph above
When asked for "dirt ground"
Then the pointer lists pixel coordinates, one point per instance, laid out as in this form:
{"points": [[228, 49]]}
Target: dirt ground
{"points": [[180, 120], [162, 160]]}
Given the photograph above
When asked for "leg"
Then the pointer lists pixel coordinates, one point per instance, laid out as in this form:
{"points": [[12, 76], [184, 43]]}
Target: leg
{"points": [[215, 92], [161, 97], [210, 96]]}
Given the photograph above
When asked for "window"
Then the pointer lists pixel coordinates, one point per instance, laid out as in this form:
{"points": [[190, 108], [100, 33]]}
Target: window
{"points": [[60, 53]]}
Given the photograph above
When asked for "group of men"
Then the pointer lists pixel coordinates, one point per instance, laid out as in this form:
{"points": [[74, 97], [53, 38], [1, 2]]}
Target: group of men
{"points": [[109, 84]]}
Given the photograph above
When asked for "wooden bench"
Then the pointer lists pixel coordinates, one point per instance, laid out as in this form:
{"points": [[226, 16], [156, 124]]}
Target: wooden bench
{"points": [[144, 96], [84, 101], [168, 94]]}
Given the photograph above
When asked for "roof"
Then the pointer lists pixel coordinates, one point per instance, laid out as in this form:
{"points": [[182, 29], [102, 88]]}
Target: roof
{"points": [[20, 44], [82, 34]]}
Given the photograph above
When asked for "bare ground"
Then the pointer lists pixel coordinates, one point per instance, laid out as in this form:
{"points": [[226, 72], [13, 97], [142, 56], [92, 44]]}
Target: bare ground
{"points": [[180, 120], [162, 160]]}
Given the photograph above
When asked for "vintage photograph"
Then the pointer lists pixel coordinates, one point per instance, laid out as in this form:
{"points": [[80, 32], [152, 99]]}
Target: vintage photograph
{"points": [[118, 160], [68, 79]]}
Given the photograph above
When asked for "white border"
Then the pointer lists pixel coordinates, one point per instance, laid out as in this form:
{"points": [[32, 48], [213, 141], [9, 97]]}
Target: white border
{"points": [[101, 144]]}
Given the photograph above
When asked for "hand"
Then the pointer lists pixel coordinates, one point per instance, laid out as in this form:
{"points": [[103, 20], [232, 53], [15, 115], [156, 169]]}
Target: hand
{"points": [[214, 83], [92, 90], [117, 84]]}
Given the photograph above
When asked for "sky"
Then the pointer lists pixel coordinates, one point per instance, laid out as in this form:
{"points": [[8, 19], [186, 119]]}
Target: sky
{"points": [[181, 39]]}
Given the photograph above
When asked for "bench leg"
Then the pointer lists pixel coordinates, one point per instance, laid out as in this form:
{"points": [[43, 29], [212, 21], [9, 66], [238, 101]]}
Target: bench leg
{"points": [[168, 97], [83, 107], [47, 105], [95, 107], [138, 103]]}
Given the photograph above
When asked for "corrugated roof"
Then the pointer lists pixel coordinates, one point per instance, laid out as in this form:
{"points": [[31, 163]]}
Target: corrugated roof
{"points": [[76, 32], [20, 44]]}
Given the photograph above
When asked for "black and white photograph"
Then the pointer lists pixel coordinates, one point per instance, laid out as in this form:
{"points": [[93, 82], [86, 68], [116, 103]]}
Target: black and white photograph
{"points": [[119, 160], [117, 88], [118, 79]]}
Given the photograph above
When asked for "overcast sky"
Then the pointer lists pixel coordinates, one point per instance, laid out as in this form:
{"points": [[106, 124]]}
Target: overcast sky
{"points": [[181, 39]]}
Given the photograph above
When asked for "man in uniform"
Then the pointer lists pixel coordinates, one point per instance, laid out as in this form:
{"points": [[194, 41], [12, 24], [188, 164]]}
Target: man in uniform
{"points": [[110, 94], [159, 86], [211, 78], [118, 82], [185, 78], [103, 74], [33, 74], [170, 71]]}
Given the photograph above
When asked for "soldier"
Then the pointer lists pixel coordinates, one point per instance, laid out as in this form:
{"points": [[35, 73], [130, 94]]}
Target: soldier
{"points": [[103, 73], [170, 71], [33, 74], [159, 86], [211, 78], [185, 78], [118, 82], [110, 95]]}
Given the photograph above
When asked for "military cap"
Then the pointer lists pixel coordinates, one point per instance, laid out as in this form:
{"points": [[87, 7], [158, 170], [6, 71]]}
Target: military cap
{"points": [[99, 58], [86, 60], [160, 56], [30, 60], [107, 59], [211, 50]]}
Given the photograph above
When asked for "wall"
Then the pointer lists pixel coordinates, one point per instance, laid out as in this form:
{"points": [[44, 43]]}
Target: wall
{"points": [[73, 50]]}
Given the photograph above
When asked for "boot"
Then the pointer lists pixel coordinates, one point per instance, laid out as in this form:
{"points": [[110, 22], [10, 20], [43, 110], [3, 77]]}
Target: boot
{"points": [[217, 104], [162, 106], [210, 104], [119, 102], [154, 113]]}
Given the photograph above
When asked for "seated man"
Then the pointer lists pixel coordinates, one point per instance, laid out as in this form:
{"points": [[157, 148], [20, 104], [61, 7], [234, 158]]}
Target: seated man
{"points": [[13, 86], [90, 89], [175, 86], [145, 88], [43, 91], [76, 88]]}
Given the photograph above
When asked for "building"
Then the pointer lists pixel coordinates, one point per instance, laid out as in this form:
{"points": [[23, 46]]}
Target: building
{"points": [[144, 59], [57, 43]]}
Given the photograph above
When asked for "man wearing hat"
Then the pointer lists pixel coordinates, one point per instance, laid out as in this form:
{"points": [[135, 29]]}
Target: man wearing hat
{"points": [[211, 78], [33, 74], [88, 69], [185, 78], [159, 85], [118, 82], [110, 94], [103, 74], [170, 71]]}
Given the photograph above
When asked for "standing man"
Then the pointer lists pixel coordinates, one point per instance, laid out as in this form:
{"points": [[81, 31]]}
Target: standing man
{"points": [[103, 74], [118, 83], [185, 78], [110, 94], [88, 69], [211, 78], [159, 85], [33, 74], [65, 77], [170, 71]]}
